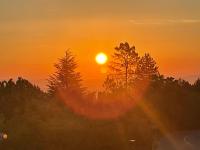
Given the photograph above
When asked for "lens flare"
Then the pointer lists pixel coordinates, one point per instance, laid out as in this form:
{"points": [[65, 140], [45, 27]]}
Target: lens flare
{"points": [[5, 136], [103, 107]]}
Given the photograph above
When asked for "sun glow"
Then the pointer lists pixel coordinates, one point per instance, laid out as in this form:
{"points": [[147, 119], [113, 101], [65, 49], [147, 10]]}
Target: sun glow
{"points": [[101, 58]]}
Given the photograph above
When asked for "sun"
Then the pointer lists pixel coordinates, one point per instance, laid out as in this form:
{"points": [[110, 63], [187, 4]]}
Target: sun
{"points": [[101, 58]]}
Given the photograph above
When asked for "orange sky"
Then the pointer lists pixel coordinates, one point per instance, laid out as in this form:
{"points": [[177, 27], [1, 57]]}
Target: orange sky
{"points": [[34, 34]]}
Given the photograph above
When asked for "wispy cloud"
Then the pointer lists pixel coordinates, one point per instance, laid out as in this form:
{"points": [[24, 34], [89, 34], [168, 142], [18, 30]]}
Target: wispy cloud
{"points": [[163, 21]]}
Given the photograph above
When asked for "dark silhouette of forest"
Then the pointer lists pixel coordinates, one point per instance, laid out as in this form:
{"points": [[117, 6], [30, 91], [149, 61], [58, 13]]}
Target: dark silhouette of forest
{"points": [[137, 103]]}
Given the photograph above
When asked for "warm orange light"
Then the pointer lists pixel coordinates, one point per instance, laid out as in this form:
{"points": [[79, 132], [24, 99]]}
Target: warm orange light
{"points": [[101, 58], [5, 136]]}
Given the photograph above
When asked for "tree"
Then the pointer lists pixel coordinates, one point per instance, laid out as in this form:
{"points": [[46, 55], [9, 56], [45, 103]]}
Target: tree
{"points": [[123, 66], [66, 77], [146, 67], [197, 84]]}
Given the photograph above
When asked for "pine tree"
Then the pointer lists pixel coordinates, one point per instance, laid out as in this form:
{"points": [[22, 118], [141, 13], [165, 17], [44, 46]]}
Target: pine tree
{"points": [[65, 78], [123, 66], [146, 67]]}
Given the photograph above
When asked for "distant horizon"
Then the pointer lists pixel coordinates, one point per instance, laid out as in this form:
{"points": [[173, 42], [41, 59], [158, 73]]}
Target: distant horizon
{"points": [[42, 83]]}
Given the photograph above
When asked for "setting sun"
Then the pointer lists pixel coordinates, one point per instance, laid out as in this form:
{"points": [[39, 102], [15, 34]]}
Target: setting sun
{"points": [[101, 58]]}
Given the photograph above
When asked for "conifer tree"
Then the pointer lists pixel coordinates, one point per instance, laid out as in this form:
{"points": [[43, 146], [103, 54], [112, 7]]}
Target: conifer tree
{"points": [[124, 62], [146, 67], [65, 78]]}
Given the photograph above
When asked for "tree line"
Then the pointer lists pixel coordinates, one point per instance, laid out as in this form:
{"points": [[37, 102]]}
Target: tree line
{"points": [[135, 103]]}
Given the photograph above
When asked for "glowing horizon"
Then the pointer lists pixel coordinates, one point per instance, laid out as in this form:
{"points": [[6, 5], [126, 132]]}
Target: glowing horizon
{"points": [[34, 34]]}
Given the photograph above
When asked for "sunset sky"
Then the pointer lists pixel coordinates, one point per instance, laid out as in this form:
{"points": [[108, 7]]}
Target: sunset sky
{"points": [[34, 33]]}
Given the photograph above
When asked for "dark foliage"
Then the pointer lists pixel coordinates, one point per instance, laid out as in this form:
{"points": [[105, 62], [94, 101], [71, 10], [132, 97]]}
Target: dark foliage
{"points": [[35, 121], [66, 77]]}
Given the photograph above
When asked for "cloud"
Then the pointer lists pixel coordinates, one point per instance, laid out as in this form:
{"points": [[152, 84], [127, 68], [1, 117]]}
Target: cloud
{"points": [[163, 21]]}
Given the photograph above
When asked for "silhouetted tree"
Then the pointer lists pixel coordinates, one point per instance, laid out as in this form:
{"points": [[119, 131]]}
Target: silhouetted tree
{"points": [[66, 77], [15, 95], [197, 84], [184, 84], [146, 67], [122, 68]]}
